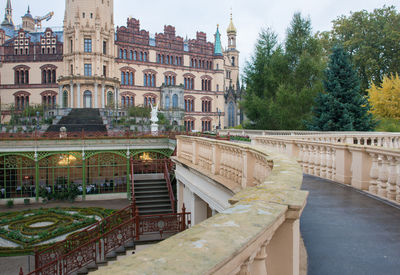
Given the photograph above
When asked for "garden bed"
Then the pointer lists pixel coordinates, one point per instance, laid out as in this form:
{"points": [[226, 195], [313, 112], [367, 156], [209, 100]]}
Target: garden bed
{"points": [[23, 231]]}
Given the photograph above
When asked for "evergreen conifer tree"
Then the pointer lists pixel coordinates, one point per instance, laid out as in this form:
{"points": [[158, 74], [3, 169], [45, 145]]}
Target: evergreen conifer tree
{"points": [[341, 107]]}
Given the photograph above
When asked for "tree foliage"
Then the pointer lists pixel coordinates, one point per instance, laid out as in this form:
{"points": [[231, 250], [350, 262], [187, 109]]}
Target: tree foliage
{"points": [[371, 39], [385, 100], [282, 79], [341, 107]]}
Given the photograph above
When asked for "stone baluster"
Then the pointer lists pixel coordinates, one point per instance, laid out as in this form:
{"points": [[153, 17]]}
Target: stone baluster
{"points": [[301, 154], [374, 173], [383, 176], [392, 178], [322, 163], [333, 164], [398, 179], [305, 159], [328, 163], [259, 265], [245, 268], [317, 161], [311, 160]]}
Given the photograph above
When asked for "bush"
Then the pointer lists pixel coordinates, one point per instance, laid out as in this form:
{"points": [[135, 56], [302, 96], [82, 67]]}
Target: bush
{"points": [[388, 125], [10, 203], [27, 201]]}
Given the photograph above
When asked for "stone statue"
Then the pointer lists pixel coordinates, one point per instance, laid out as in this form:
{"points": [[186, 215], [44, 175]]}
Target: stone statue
{"points": [[154, 112]]}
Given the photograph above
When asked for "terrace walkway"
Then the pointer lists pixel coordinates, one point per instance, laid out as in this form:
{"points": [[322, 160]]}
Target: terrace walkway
{"points": [[348, 232]]}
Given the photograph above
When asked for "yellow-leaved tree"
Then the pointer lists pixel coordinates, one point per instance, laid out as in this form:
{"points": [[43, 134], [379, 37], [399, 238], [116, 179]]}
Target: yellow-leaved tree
{"points": [[385, 100]]}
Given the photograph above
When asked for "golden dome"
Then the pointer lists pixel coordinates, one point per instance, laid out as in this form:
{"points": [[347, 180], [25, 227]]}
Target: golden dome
{"points": [[231, 27]]}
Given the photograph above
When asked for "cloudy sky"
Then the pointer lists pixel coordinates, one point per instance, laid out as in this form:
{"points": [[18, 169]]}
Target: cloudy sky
{"points": [[188, 16]]}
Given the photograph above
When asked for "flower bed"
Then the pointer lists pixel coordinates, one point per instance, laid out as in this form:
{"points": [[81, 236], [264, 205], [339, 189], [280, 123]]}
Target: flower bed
{"points": [[30, 229]]}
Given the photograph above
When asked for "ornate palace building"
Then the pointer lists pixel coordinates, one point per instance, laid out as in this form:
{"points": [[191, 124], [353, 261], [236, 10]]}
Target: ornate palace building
{"points": [[90, 64]]}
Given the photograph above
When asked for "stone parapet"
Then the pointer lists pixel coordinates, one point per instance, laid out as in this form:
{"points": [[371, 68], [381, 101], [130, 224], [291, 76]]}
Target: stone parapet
{"points": [[258, 234]]}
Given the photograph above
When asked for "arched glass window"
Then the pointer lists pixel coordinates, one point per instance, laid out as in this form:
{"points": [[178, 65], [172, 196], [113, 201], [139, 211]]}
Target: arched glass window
{"points": [[124, 54], [167, 102], [131, 80], [231, 115], [87, 99], [110, 98], [135, 55], [175, 101], [122, 78], [123, 101], [65, 99], [131, 55]]}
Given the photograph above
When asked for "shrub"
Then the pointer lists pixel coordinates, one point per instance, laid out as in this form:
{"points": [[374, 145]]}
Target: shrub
{"points": [[10, 203]]}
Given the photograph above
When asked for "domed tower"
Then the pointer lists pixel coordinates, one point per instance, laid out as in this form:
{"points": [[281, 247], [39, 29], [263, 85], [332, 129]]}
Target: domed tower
{"points": [[231, 64], [89, 55], [28, 23], [231, 56]]}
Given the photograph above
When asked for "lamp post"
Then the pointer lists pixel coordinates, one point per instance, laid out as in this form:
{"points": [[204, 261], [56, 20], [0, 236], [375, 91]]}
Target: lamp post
{"points": [[219, 118]]}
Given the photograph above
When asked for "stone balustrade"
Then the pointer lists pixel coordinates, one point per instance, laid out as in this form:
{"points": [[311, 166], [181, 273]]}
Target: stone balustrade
{"points": [[257, 234], [387, 140], [375, 169]]}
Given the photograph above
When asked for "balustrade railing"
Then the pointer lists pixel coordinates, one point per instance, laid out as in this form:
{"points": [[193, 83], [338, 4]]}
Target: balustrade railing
{"points": [[60, 261], [370, 162]]}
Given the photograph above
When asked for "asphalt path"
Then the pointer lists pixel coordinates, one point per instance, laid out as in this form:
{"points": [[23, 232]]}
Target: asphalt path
{"points": [[347, 231]]}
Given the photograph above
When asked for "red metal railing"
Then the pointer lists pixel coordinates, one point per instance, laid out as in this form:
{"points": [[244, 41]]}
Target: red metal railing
{"points": [[49, 254], [169, 186], [35, 135], [96, 249]]}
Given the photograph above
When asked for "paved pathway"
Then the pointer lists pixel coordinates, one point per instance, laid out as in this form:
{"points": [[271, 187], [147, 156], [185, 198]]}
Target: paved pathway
{"points": [[348, 232]]}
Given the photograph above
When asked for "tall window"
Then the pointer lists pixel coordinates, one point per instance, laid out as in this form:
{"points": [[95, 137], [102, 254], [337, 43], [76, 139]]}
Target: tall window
{"points": [[149, 79], [167, 102], [88, 45], [189, 104], [48, 74], [104, 70], [231, 114], [21, 100], [206, 105], [206, 125], [188, 82], [104, 47], [189, 124], [65, 99], [21, 74], [110, 98], [175, 101], [88, 69], [206, 84], [149, 98]]}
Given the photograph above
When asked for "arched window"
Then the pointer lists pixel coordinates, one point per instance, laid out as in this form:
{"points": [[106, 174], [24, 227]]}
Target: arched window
{"points": [[131, 79], [65, 99], [135, 55], [87, 99], [120, 53], [145, 57], [122, 78], [175, 101], [167, 102], [124, 54], [110, 98], [123, 102], [231, 114], [131, 55]]}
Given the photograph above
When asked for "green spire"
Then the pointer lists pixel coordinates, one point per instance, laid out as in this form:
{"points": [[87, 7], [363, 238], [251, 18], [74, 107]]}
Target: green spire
{"points": [[217, 46]]}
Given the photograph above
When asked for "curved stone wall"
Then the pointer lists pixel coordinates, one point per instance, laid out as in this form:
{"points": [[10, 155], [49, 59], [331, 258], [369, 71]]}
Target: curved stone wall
{"points": [[259, 233]]}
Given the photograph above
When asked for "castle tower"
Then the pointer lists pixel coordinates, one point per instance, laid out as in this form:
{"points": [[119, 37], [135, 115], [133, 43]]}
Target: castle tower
{"points": [[231, 56], [89, 54], [8, 22], [231, 65], [28, 23]]}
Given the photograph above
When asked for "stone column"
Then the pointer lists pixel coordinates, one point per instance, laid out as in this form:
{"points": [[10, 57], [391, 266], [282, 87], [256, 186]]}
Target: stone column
{"points": [[60, 97], [78, 95], [103, 105], [96, 95], [72, 96]]}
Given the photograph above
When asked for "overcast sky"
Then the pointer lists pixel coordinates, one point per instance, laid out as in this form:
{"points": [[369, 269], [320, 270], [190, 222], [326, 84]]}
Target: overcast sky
{"points": [[189, 16]]}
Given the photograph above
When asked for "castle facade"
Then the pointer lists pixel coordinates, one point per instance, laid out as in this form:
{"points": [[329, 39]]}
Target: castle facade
{"points": [[91, 64]]}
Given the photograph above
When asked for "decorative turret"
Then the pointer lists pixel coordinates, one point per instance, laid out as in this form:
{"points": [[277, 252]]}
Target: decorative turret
{"points": [[231, 31], [8, 22], [217, 44], [28, 23]]}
